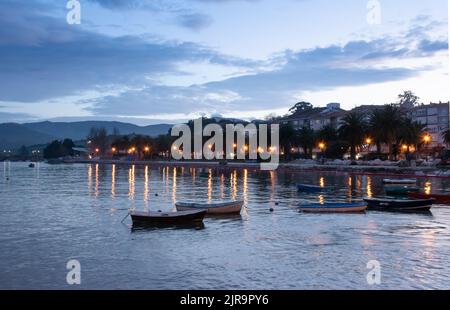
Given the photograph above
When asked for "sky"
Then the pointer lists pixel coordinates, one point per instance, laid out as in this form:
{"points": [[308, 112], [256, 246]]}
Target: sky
{"points": [[166, 61]]}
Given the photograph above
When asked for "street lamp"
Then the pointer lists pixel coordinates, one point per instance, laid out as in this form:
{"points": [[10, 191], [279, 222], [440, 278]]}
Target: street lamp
{"points": [[368, 141], [427, 140], [322, 146]]}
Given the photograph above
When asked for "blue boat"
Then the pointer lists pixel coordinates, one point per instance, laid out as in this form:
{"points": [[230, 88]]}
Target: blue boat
{"points": [[333, 207], [309, 188]]}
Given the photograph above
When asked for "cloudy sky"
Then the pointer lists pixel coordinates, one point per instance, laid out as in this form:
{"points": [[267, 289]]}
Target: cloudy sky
{"points": [[152, 61]]}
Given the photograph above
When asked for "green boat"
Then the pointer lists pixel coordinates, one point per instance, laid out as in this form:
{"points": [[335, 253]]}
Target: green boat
{"points": [[400, 190]]}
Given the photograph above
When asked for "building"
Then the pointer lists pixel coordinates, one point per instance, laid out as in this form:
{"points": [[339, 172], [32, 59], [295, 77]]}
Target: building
{"points": [[316, 118], [436, 117]]}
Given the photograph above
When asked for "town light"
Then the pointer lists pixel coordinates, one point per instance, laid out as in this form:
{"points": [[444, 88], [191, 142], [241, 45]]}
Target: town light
{"points": [[427, 138], [322, 146], [113, 149], [368, 141], [245, 148], [97, 150], [146, 149], [404, 147]]}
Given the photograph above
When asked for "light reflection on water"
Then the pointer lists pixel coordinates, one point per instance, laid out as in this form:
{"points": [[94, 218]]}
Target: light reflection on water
{"points": [[55, 213]]}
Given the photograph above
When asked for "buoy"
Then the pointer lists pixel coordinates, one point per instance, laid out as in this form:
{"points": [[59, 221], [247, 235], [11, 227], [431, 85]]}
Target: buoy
{"points": [[156, 194], [271, 210], [277, 203]]}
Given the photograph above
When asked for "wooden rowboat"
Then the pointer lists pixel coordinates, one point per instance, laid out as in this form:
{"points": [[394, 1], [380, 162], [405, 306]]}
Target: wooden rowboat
{"points": [[309, 188], [400, 189], [225, 207], [399, 181], [167, 218], [399, 205], [355, 207], [439, 198]]}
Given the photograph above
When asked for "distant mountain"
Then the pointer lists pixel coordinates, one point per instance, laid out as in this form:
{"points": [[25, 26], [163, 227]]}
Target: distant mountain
{"points": [[12, 136], [15, 135]]}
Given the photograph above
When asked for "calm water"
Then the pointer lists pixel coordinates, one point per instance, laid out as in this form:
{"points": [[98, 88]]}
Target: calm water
{"points": [[51, 214]]}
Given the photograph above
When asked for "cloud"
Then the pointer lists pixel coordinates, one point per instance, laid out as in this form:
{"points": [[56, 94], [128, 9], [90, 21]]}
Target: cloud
{"points": [[356, 63], [47, 58], [194, 21]]}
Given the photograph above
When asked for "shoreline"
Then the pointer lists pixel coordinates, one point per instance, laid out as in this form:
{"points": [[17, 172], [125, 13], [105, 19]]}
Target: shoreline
{"points": [[416, 172]]}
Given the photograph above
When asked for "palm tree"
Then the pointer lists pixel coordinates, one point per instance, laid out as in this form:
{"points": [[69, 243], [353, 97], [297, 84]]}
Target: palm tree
{"points": [[305, 139], [386, 125], [377, 128], [411, 133], [328, 134], [446, 137], [353, 130], [287, 137]]}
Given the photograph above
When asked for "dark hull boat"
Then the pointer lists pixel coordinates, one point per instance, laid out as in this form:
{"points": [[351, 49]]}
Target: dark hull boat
{"points": [[159, 219], [309, 188], [400, 190], [439, 198], [400, 205], [355, 207]]}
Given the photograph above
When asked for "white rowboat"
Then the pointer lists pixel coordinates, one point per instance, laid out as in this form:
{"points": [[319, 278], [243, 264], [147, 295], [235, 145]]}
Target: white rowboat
{"points": [[224, 207]]}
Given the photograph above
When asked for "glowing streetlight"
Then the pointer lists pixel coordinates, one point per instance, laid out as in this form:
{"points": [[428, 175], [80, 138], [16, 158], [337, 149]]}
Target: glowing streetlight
{"points": [[427, 138], [146, 149], [322, 146], [113, 149], [368, 141], [97, 150], [404, 147]]}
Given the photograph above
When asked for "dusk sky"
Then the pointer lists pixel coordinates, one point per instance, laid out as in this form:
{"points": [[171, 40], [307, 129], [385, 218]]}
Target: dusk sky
{"points": [[153, 61]]}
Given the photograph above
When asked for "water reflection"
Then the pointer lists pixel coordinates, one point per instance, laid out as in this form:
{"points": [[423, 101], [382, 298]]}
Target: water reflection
{"points": [[131, 184], [369, 187], [427, 188], [334, 245], [146, 184], [113, 181], [174, 185]]}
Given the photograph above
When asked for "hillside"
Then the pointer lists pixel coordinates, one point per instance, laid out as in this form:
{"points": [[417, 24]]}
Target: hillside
{"points": [[14, 135]]}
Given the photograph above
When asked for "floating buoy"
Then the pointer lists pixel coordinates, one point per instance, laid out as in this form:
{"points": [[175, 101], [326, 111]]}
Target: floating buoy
{"points": [[277, 203], [271, 210], [156, 194], [159, 211]]}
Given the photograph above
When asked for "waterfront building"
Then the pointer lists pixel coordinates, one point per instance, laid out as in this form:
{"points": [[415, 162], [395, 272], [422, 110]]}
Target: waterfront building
{"points": [[316, 118], [436, 117]]}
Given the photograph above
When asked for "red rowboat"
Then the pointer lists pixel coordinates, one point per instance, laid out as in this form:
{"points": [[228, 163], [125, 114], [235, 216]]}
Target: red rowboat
{"points": [[439, 198]]}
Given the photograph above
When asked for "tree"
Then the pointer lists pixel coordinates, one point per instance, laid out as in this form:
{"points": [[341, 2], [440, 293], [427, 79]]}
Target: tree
{"points": [[385, 125], [54, 150], [287, 139], [446, 137], [23, 152], [68, 146], [411, 133], [408, 98], [300, 107], [353, 130], [98, 138], [306, 139], [328, 134]]}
